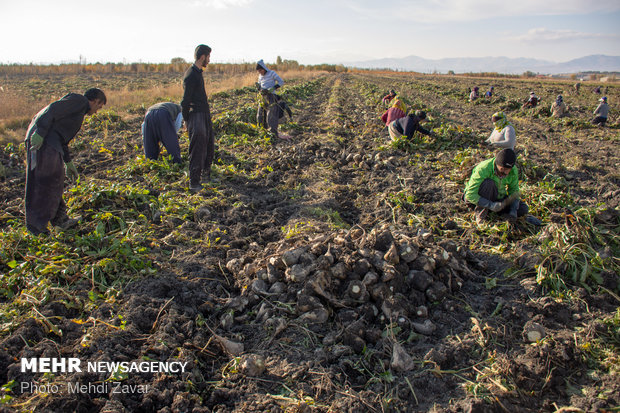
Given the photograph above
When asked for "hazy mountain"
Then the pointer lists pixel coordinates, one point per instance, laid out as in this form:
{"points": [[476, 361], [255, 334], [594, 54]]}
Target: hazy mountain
{"points": [[601, 63]]}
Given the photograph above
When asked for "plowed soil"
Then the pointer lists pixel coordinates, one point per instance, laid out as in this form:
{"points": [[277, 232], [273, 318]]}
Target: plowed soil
{"points": [[333, 272]]}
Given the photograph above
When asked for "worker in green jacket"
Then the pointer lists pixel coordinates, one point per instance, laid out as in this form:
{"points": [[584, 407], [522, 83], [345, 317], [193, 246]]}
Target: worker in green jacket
{"points": [[494, 186]]}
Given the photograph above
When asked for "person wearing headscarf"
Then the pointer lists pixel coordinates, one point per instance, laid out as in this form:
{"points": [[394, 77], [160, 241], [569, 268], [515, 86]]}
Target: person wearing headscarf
{"points": [[397, 111], [559, 108], [494, 186], [269, 113], [601, 112], [408, 125], [388, 98], [503, 134], [532, 102], [474, 94], [489, 93]]}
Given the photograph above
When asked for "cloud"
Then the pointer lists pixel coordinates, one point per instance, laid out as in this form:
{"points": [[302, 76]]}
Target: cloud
{"points": [[221, 4], [436, 11], [543, 35]]}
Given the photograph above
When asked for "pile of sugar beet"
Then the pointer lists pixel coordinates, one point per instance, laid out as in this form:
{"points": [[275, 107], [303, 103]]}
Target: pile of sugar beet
{"points": [[349, 287]]}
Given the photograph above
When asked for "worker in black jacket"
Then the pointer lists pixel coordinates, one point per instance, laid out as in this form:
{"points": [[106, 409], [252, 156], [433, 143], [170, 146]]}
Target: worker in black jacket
{"points": [[197, 117], [408, 125], [49, 159]]}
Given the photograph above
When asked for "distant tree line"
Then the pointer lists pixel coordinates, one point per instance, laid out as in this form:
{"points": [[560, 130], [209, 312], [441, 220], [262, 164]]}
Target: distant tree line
{"points": [[176, 65]]}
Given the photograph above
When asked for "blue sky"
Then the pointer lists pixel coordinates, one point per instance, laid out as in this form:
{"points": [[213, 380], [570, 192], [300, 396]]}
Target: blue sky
{"points": [[331, 31]]}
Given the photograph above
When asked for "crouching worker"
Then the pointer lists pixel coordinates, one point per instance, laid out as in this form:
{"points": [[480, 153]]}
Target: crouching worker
{"points": [[161, 124], [397, 111], [601, 112], [532, 101], [388, 98], [494, 186], [503, 135], [408, 125], [269, 108], [49, 159]]}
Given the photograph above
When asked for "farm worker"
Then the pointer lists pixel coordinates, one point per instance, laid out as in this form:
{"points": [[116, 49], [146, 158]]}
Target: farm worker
{"points": [[474, 94], [577, 86], [489, 93], [601, 112], [197, 117], [503, 135], [494, 186], [559, 108], [532, 101], [397, 111], [161, 124], [408, 125], [47, 141], [597, 90], [269, 112], [388, 98]]}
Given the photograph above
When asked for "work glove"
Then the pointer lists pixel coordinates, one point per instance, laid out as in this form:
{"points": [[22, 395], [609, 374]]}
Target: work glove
{"points": [[36, 141], [514, 206], [493, 206], [71, 171], [277, 86], [257, 86], [510, 200]]}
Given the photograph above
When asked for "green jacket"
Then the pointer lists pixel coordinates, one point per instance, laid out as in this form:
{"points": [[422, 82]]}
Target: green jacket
{"points": [[486, 169]]}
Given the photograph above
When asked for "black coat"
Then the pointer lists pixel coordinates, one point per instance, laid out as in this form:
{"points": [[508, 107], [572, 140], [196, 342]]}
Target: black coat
{"points": [[59, 122], [194, 93]]}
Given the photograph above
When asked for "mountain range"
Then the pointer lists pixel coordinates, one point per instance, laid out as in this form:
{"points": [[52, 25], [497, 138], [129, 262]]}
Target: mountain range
{"points": [[596, 63]]}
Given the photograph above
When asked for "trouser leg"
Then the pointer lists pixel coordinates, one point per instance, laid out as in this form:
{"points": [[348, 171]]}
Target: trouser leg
{"points": [[261, 116], [168, 134], [210, 145], [44, 187], [196, 127], [273, 115], [61, 213], [150, 140], [488, 190], [394, 134]]}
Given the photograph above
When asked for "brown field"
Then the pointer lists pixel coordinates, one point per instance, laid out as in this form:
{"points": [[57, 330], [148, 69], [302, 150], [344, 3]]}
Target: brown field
{"points": [[335, 272]]}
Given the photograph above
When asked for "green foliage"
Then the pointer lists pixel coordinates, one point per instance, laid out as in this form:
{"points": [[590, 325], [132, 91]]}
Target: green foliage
{"points": [[574, 123], [447, 136], [450, 135], [571, 253], [236, 122], [402, 200], [403, 144], [550, 193], [104, 121], [301, 91], [330, 216], [510, 105]]}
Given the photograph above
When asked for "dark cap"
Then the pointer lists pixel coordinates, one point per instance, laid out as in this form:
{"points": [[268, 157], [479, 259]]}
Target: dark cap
{"points": [[506, 158]]}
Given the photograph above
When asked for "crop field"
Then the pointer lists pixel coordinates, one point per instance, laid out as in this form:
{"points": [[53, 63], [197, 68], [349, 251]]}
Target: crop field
{"points": [[337, 271]]}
